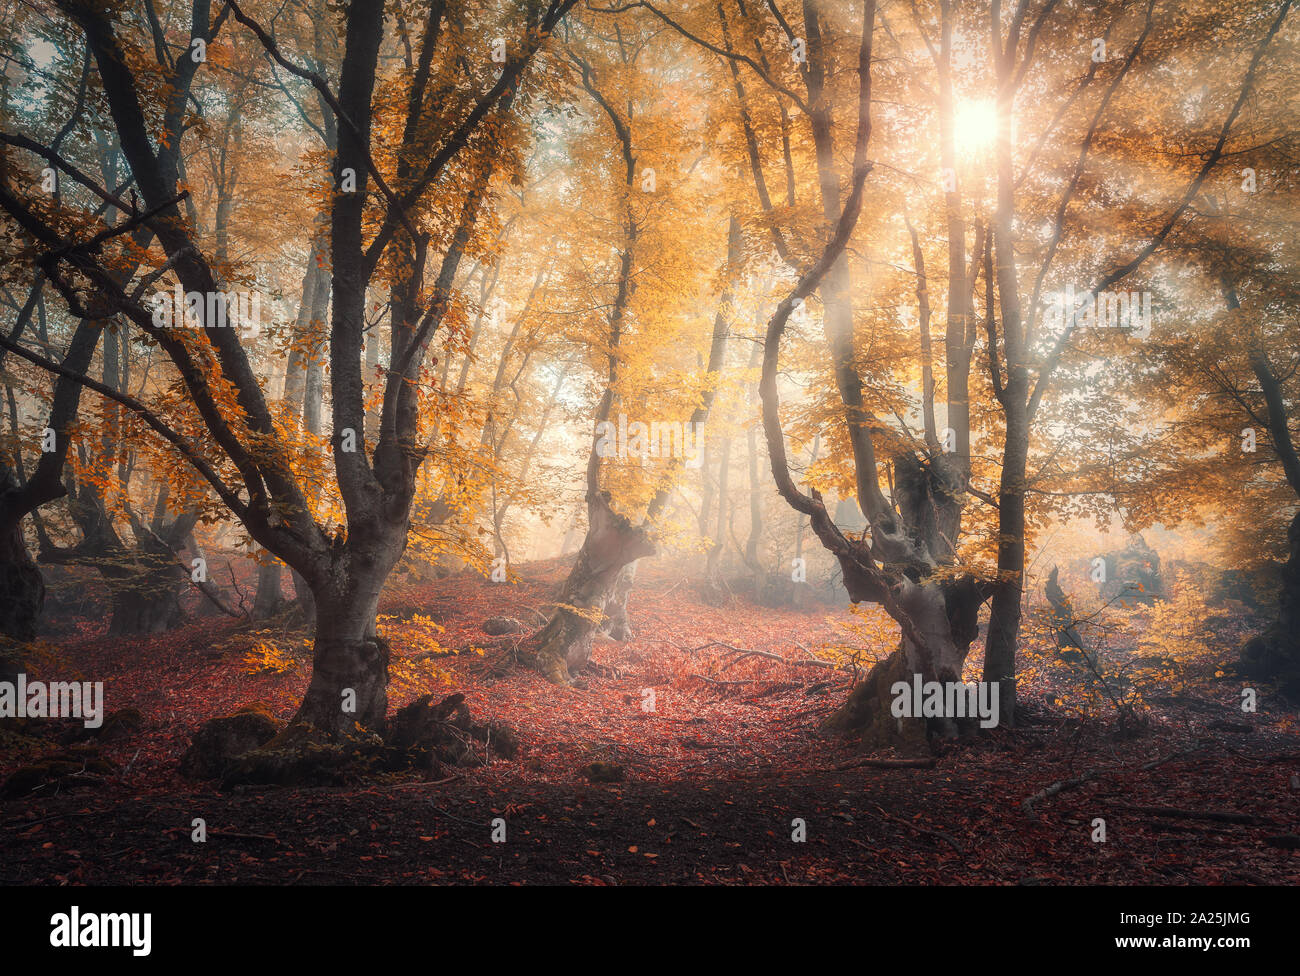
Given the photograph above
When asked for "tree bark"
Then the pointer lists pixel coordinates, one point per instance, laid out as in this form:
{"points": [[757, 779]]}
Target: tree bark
{"points": [[269, 600], [1009, 588], [563, 646], [349, 682], [942, 608], [617, 626], [22, 590], [1275, 654]]}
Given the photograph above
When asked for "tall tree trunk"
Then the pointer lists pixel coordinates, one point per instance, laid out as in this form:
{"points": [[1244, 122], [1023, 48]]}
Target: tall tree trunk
{"points": [[1008, 590], [707, 491], [915, 545], [570, 535], [22, 590], [1014, 395], [307, 394], [752, 561], [724, 500], [802, 522], [1275, 654]]}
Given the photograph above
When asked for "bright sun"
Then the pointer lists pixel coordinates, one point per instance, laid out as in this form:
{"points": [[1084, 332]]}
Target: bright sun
{"points": [[975, 126]]}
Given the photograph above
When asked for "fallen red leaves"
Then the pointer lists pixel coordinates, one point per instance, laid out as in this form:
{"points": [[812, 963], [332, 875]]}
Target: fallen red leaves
{"points": [[714, 774]]}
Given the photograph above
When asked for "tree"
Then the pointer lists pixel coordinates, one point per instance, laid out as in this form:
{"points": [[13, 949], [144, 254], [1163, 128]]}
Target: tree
{"points": [[1013, 338], [448, 136], [595, 591]]}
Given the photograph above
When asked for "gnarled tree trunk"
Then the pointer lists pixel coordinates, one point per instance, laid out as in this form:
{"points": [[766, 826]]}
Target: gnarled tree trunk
{"points": [[616, 624], [22, 589], [148, 600], [563, 646], [349, 681], [941, 603]]}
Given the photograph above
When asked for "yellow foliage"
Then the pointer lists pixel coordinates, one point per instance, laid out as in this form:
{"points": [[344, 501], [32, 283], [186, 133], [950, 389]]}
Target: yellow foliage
{"points": [[413, 636], [873, 636], [271, 652]]}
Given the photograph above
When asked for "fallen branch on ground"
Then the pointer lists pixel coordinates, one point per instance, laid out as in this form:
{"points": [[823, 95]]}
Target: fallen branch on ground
{"points": [[232, 834], [887, 763], [1164, 759], [744, 652], [1218, 816], [716, 681], [1059, 787], [810, 663], [1263, 760], [922, 830]]}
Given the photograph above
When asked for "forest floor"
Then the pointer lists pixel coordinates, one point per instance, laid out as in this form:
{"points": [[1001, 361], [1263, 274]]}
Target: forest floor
{"points": [[720, 753]]}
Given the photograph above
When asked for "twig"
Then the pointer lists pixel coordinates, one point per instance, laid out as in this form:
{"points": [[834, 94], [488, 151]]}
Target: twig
{"points": [[445, 813], [673, 587], [947, 838], [57, 816], [235, 835], [1173, 755], [433, 782], [127, 769], [813, 657], [239, 836], [887, 763]]}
